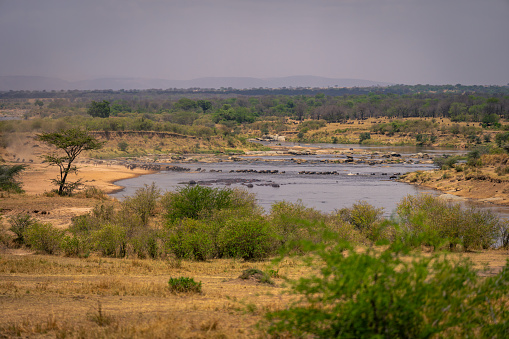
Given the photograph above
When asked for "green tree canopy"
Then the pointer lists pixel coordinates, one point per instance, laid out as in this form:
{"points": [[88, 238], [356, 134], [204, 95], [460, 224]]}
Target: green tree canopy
{"points": [[71, 142], [99, 109]]}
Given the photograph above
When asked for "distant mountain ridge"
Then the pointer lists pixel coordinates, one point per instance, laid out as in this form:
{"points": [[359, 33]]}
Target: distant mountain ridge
{"points": [[38, 83]]}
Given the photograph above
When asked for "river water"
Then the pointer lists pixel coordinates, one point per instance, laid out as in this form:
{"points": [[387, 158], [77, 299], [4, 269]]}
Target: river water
{"points": [[326, 192]]}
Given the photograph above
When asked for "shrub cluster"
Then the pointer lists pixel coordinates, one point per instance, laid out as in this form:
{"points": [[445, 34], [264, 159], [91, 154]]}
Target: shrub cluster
{"points": [[201, 223], [431, 221], [386, 295]]}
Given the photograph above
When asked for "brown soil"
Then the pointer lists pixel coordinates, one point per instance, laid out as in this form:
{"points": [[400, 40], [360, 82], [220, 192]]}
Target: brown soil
{"points": [[484, 185]]}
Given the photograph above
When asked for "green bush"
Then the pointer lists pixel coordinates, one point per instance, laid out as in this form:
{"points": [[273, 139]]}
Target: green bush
{"points": [[192, 239], [361, 295], [365, 218], [8, 176], [184, 285], [248, 238], [123, 146], [145, 244], [364, 136], [195, 201], [76, 246], [20, 223], [143, 203], [43, 238], [111, 240], [431, 221], [445, 162], [293, 222], [198, 202]]}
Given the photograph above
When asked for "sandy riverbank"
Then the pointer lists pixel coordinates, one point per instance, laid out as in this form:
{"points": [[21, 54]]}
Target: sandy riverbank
{"points": [[37, 178], [455, 186]]}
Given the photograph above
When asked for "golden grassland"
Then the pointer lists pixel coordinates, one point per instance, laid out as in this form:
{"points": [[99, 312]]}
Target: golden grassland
{"points": [[69, 296], [104, 297]]}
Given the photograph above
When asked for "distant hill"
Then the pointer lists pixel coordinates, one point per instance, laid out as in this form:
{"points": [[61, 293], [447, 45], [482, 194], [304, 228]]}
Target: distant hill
{"points": [[36, 83]]}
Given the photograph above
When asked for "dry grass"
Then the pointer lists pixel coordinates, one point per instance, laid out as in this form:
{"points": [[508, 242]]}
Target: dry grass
{"points": [[97, 297]]}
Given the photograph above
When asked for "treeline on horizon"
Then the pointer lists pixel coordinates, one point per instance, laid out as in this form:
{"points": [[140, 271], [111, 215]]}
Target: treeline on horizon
{"points": [[231, 107]]}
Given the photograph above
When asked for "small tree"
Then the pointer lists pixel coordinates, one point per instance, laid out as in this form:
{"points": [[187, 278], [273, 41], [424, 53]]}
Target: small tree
{"points": [[99, 109], [72, 142]]}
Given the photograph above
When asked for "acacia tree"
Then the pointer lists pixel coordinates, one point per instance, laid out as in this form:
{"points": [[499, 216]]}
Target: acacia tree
{"points": [[71, 142]]}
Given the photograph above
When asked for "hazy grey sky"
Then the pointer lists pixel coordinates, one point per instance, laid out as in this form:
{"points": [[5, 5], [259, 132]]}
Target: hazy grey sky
{"points": [[399, 41]]}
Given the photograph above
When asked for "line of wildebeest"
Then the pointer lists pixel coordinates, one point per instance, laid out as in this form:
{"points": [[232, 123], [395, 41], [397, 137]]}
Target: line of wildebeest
{"points": [[157, 167]]}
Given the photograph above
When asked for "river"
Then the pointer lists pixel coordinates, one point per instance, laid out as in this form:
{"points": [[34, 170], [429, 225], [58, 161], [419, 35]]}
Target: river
{"points": [[348, 184]]}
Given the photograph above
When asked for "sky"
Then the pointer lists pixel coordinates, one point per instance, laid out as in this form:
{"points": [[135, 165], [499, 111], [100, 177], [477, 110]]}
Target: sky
{"points": [[395, 41]]}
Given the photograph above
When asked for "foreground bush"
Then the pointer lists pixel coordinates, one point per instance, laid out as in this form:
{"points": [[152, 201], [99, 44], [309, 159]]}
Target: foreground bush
{"points": [[360, 295], [431, 221], [366, 219], [184, 284], [43, 238], [20, 223], [192, 239], [247, 238]]}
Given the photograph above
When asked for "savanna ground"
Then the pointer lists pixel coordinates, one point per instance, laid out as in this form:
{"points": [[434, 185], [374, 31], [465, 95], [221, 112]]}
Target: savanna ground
{"points": [[42, 295]]}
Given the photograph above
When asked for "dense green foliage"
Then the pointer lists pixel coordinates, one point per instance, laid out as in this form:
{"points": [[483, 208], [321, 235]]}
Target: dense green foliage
{"points": [[484, 105], [148, 225], [385, 295], [196, 201], [430, 221], [99, 109], [8, 178]]}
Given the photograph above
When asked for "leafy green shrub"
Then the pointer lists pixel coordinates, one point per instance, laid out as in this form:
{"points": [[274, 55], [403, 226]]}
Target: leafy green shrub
{"points": [[311, 125], [143, 203], [365, 218], [184, 285], [76, 246], [43, 238], [248, 238], [92, 192], [364, 136], [123, 146], [480, 229], [293, 222], [20, 223], [257, 275], [434, 222], [360, 295], [111, 240], [192, 239], [197, 202], [8, 176], [445, 162]]}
